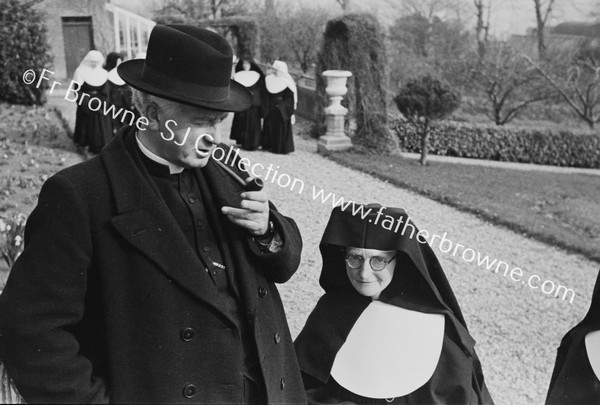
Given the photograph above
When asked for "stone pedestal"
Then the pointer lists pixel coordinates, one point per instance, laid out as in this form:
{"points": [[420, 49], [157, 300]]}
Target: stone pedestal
{"points": [[335, 139]]}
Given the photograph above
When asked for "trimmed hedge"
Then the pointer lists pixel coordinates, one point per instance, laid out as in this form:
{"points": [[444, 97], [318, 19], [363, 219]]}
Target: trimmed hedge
{"points": [[524, 145]]}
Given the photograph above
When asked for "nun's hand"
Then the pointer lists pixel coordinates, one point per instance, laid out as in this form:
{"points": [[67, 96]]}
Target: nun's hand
{"points": [[253, 213]]}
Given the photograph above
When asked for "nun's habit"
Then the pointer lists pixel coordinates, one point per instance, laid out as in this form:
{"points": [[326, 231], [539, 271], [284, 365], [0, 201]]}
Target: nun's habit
{"points": [[119, 93], [246, 125], [92, 127], [575, 379], [411, 346], [282, 98]]}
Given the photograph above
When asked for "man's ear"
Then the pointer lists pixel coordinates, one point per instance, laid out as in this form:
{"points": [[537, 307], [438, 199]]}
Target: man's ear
{"points": [[151, 113]]}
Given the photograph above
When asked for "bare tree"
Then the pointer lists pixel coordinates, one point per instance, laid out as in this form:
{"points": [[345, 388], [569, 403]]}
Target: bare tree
{"points": [[443, 9], [190, 11], [579, 84], [509, 83], [345, 4], [543, 9], [303, 31], [482, 28]]}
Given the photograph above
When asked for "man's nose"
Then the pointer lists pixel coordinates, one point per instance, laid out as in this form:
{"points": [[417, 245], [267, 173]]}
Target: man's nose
{"points": [[217, 132]]}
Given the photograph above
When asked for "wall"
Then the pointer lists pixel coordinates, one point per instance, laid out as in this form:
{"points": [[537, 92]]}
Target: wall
{"points": [[102, 27]]}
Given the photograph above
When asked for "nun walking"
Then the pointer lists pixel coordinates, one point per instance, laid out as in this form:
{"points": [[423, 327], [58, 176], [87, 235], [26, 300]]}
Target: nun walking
{"points": [[246, 125], [389, 328], [92, 127], [282, 99]]}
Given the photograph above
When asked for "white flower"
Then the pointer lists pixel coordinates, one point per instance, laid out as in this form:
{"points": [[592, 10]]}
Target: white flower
{"points": [[18, 240], [2, 226]]}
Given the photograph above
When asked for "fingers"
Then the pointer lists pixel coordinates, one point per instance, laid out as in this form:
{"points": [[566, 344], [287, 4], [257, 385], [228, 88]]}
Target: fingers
{"points": [[253, 213]]}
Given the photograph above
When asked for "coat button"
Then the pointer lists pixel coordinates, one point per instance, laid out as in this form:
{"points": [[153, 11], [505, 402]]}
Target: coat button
{"points": [[189, 391], [262, 291], [191, 199], [282, 383], [187, 334], [277, 337]]}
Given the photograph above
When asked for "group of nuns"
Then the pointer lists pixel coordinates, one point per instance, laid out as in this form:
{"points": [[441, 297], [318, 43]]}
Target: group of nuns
{"points": [[100, 80], [389, 329], [268, 122]]}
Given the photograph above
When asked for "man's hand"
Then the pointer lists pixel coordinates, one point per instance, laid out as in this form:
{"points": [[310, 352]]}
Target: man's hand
{"points": [[253, 213]]}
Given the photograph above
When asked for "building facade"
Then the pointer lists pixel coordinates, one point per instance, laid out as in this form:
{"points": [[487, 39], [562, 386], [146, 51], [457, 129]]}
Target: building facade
{"points": [[76, 27]]}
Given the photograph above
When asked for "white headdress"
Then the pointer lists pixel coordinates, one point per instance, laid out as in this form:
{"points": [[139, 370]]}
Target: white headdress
{"points": [[280, 80]]}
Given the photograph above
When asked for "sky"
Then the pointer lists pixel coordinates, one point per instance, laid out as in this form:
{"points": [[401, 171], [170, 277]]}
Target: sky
{"points": [[508, 16]]}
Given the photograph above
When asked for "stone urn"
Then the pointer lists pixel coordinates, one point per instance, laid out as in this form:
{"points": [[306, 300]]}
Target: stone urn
{"points": [[335, 139]]}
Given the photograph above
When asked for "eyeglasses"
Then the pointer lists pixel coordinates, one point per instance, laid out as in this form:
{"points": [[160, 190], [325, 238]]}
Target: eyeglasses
{"points": [[377, 263]]}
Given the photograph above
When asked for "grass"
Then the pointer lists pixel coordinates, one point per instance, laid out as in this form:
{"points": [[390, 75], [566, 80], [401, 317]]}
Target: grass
{"points": [[559, 209]]}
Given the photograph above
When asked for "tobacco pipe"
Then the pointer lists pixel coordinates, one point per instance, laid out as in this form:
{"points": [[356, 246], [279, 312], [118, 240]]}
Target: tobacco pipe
{"points": [[255, 185]]}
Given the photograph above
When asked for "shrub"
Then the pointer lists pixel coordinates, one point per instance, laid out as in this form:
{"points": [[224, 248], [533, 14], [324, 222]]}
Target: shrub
{"points": [[24, 45], [524, 145], [424, 100]]}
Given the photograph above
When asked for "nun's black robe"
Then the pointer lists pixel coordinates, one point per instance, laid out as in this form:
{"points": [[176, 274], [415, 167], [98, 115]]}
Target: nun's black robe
{"points": [[573, 379], [277, 133], [418, 284], [246, 125]]}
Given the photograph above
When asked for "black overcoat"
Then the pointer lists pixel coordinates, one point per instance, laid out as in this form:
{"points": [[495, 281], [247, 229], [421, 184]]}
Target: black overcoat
{"points": [[109, 302]]}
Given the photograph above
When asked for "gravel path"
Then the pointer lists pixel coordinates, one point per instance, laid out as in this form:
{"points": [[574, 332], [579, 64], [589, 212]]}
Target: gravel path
{"points": [[517, 329]]}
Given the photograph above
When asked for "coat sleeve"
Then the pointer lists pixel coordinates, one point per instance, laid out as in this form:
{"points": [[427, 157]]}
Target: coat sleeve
{"points": [[44, 298], [279, 267]]}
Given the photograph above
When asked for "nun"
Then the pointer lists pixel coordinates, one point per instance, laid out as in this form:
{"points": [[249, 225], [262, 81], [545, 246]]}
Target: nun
{"points": [[246, 125], [92, 127], [282, 99], [576, 375], [388, 328], [119, 93]]}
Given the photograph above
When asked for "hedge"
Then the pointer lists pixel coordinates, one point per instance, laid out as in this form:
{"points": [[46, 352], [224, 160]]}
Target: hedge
{"points": [[524, 145], [23, 46]]}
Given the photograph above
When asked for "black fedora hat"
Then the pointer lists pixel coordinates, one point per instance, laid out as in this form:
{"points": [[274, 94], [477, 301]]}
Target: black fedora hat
{"points": [[189, 65]]}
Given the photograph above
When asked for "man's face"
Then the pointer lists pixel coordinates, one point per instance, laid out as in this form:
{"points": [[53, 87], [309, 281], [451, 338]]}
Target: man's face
{"points": [[183, 139]]}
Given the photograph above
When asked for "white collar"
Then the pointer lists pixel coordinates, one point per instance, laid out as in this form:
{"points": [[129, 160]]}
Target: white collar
{"points": [[247, 78], [173, 168]]}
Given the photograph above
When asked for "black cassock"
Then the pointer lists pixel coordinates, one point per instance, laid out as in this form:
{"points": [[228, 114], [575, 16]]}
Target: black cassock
{"points": [[573, 379], [277, 127], [92, 128], [418, 285], [246, 128], [119, 95]]}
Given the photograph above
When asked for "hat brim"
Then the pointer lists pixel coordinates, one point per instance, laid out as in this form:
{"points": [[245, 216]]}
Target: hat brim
{"points": [[240, 98]]}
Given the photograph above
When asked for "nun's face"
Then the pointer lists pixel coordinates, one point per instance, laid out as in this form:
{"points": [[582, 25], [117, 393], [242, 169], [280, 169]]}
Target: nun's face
{"points": [[362, 265]]}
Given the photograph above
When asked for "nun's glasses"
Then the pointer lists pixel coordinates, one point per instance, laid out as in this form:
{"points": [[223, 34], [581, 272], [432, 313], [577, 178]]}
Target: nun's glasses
{"points": [[377, 263]]}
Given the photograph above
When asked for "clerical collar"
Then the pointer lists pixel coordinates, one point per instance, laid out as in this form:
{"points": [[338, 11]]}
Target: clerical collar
{"points": [[173, 168]]}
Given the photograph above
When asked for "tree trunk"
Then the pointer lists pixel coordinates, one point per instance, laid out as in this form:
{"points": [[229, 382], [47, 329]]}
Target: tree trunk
{"points": [[541, 17], [424, 144]]}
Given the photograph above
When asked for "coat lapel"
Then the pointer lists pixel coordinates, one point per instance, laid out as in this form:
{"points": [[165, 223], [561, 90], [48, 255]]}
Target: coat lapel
{"points": [[222, 190], [146, 223]]}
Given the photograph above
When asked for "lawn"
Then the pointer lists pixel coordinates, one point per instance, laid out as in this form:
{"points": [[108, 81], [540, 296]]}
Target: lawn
{"points": [[560, 209]]}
